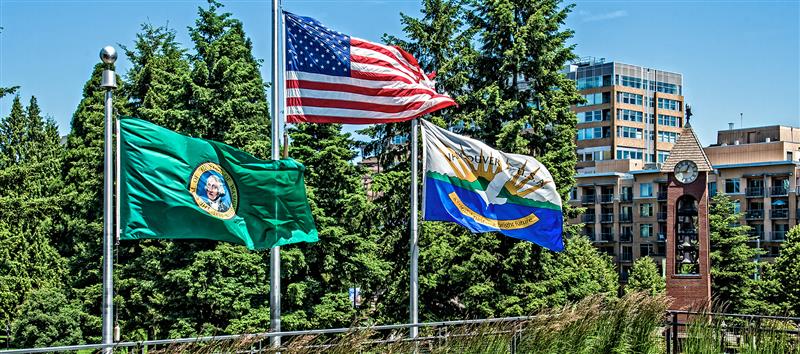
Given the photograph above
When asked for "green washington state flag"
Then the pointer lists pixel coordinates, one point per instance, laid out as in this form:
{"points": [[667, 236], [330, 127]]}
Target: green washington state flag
{"points": [[176, 187]]}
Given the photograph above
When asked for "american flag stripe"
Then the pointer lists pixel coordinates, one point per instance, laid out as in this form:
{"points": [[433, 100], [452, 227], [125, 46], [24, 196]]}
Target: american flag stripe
{"points": [[334, 78]]}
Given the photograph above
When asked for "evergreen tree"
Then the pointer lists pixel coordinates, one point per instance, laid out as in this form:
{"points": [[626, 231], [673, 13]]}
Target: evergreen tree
{"points": [[787, 273], [159, 80], [347, 254], [4, 91], [13, 129], [732, 258], [30, 210], [645, 277], [227, 92]]}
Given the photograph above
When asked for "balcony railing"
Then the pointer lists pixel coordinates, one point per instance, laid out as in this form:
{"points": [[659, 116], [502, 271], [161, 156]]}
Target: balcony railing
{"points": [[589, 199], [754, 192], [779, 213], [626, 237], [607, 236], [661, 216], [626, 198], [588, 218], [754, 214], [606, 198], [606, 218], [626, 218], [778, 191], [662, 195], [661, 236], [756, 234], [778, 235], [626, 257]]}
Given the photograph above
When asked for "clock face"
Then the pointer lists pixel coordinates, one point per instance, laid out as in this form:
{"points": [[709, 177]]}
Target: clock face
{"points": [[686, 171]]}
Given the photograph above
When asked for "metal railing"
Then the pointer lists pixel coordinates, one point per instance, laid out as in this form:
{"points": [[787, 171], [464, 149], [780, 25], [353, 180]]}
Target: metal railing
{"points": [[607, 237], [626, 237], [606, 198], [754, 214], [588, 218], [662, 236], [661, 216], [589, 199], [626, 198], [754, 192], [778, 191], [778, 235], [606, 218], [626, 218], [779, 213], [662, 195], [731, 328]]}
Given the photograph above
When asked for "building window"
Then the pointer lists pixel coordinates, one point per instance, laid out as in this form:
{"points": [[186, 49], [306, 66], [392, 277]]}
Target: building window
{"points": [[593, 133], [731, 186], [669, 104], [627, 255], [737, 206], [629, 154], [662, 156], [646, 210], [645, 230], [646, 190], [668, 137], [712, 189], [645, 250], [634, 82], [589, 82], [670, 121], [664, 87], [629, 98], [629, 115], [591, 116], [592, 99], [629, 132]]}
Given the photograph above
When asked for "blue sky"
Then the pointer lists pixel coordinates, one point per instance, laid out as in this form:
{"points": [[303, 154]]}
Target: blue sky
{"points": [[736, 56]]}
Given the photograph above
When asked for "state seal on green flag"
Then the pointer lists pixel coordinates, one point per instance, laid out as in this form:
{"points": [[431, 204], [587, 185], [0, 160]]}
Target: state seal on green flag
{"points": [[177, 187]]}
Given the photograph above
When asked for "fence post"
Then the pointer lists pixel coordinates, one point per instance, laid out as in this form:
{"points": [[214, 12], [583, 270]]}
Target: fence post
{"points": [[675, 333], [667, 336]]}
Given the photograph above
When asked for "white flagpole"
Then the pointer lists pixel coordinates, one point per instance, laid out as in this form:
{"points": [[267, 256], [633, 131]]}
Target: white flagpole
{"points": [[414, 242], [109, 82], [275, 252]]}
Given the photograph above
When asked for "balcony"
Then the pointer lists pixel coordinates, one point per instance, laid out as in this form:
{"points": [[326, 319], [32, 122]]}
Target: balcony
{"points": [[606, 218], [778, 191], [588, 218], [754, 192], [589, 199], [661, 216], [626, 198], [626, 257], [662, 196], [606, 237], [779, 214], [606, 198], [626, 237], [754, 214], [661, 237], [778, 236], [625, 218], [756, 234]]}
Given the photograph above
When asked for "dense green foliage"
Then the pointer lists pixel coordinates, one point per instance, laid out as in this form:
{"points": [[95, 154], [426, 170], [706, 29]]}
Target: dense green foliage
{"points": [[645, 277], [732, 258], [787, 273]]}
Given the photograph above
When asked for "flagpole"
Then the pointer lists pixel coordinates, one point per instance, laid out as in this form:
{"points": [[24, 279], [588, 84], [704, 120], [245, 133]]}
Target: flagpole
{"points": [[414, 239], [275, 252], [108, 55]]}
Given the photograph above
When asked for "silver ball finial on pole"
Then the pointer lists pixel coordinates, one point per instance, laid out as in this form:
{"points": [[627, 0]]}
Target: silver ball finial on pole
{"points": [[108, 54]]}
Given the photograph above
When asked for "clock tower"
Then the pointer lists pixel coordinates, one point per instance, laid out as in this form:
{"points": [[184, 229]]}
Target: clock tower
{"points": [[688, 277]]}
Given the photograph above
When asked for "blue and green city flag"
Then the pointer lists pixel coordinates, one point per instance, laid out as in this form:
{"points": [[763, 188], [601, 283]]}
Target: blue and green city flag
{"points": [[177, 187], [483, 189]]}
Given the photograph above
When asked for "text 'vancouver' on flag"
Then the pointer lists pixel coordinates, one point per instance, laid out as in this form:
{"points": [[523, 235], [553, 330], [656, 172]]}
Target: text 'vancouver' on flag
{"points": [[483, 189], [177, 187], [334, 78]]}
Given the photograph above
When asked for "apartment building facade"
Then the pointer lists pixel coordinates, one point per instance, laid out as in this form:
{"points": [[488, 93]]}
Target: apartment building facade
{"points": [[631, 112], [625, 199]]}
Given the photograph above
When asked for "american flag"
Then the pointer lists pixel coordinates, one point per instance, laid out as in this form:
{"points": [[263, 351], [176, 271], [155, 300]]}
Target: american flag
{"points": [[334, 78]]}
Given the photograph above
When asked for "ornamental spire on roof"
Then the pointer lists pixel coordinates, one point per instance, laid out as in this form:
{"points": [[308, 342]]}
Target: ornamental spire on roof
{"points": [[687, 148]]}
